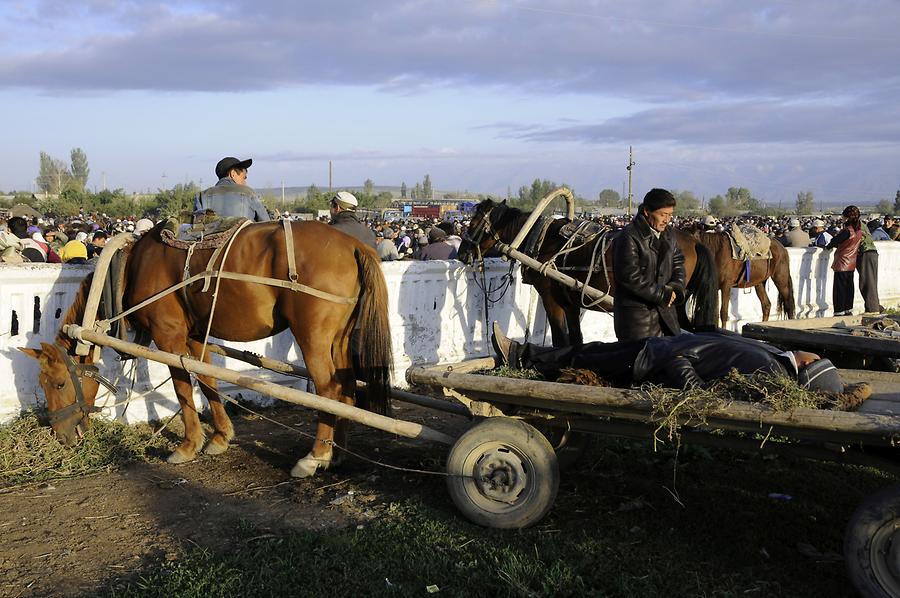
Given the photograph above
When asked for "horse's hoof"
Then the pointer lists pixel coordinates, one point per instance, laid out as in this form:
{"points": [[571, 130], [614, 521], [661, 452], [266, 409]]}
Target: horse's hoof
{"points": [[216, 446], [178, 457], [308, 466]]}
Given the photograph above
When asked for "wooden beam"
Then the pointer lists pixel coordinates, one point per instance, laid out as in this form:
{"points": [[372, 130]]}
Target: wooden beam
{"points": [[291, 395]]}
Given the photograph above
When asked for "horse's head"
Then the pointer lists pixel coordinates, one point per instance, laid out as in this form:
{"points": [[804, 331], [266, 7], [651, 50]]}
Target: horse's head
{"points": [[481, 235], [70, 388]]}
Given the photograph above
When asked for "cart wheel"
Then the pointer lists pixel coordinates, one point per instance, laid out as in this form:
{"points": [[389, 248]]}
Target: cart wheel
{"points": [[503, 474], [872, 545]]}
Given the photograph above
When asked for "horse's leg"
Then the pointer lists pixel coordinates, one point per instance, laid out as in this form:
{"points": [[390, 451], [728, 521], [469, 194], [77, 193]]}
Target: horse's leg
{"points": [[764, 301], [725, 290], [573, 323], [224, 431], [323, 369], [556, 317], [176, 342]]}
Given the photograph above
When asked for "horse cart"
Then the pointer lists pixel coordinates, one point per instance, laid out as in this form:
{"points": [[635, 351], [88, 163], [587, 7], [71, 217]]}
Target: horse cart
{"points": [[504, 470]]}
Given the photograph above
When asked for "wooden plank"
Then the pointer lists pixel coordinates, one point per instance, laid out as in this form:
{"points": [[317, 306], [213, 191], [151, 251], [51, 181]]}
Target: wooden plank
{"points": [[291, 395], [820, 339], [552, 395], [810, 323]]}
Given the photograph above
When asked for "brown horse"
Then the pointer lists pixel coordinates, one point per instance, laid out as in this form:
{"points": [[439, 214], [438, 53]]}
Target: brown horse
{"points": [[493, 222], [732, 273], [326, 260]]}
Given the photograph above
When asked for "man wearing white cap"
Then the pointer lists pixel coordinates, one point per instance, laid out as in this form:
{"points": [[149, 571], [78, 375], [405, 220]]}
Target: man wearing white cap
{"points": [[343, 217], [820, 237], [796, 236]]}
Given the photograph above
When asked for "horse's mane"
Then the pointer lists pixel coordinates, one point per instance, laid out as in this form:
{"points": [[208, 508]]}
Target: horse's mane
{"points": [[75, 314]]}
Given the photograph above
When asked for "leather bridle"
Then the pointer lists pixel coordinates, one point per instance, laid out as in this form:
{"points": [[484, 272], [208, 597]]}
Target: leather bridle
{"points": [[77, 373], [485, 228]]}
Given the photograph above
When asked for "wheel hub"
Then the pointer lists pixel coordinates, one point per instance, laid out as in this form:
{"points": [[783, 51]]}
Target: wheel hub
{"points": [[500, 475], [885, 556]]}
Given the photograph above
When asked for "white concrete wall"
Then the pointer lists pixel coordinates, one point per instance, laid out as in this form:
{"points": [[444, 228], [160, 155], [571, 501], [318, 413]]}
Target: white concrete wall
{"points": [[437, 314]]}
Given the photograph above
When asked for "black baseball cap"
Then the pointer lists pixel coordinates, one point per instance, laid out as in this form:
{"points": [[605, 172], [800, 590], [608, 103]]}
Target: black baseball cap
{"points": [[226, 164]]}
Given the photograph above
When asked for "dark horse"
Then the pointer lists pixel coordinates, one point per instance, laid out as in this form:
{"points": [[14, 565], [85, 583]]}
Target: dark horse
{"points": [[732, 273], [326, 260], [493, 222]]}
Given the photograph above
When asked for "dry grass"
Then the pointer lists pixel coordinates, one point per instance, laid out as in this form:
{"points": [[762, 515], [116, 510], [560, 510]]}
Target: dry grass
{"points": [[30, 452], [674, 408], [504, 371]]}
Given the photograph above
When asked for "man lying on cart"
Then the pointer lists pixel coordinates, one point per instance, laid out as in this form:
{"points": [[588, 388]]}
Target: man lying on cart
{"points": [[682, 361]]}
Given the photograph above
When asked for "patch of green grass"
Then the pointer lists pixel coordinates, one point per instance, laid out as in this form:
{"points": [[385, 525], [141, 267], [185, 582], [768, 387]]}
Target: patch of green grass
{"points": [[615, 530], [30, 452]]}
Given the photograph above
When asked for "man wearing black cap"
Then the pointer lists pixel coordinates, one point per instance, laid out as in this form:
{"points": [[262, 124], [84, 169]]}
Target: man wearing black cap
{"points": [[681, 361], [649, 272], [231, 197]]}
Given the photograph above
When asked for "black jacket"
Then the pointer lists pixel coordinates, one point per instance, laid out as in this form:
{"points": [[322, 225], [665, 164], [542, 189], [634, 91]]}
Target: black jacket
{"points": [[646, 271], [696, 359], [346, 222]]}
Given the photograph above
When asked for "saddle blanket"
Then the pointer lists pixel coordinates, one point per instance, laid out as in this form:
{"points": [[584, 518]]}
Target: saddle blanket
{"points": [[203, 233], [749, 243]]}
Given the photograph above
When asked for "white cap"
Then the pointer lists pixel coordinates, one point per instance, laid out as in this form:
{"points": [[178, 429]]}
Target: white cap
{"points": [[142, 226], [709, 220], [818, 222], [794, 223], [345, 199]]}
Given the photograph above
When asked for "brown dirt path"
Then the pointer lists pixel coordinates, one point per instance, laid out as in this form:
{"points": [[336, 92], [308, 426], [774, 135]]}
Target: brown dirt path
{"points": [[78, 536]]}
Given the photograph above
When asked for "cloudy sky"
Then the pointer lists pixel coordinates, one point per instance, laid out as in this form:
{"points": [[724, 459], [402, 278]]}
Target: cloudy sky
{"points": [[779, 96]]}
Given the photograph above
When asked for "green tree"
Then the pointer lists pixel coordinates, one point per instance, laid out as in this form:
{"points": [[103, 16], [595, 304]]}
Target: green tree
{"points": [[686, 202], [369, 188], [609, 198], [80, 169], [403, 190], [805, 203], [169, 202], [417, 191], [427, 190], [897, 202], [53, 174], [717, 206], [883, 207]]}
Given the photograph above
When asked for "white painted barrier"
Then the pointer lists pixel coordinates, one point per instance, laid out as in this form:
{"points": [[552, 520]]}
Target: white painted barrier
{"points": [[437, 314]]}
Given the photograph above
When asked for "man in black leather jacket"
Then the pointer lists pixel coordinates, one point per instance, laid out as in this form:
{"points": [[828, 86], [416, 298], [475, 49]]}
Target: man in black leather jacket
{"points": [[649, 272], [680, 361]]}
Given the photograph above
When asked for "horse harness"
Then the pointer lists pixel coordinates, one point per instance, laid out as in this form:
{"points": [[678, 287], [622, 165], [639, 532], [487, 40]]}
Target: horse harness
{"points": [[78, 371]]}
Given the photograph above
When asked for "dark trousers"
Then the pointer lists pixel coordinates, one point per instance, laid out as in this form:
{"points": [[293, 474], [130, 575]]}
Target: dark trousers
{"points": [[843, 291], [614, 362], [867, 266]]}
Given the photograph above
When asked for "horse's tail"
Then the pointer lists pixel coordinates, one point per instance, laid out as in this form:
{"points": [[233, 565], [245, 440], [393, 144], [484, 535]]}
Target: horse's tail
{"points": [[376, 358], [786, 302], [704, 287]]}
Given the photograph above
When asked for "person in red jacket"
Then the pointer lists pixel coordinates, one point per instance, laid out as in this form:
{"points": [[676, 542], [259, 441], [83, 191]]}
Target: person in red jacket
{"points": [[844, 264]]}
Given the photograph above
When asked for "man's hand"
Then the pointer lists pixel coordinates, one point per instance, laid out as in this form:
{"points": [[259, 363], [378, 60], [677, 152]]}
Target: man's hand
{"points": [[672, 299]]}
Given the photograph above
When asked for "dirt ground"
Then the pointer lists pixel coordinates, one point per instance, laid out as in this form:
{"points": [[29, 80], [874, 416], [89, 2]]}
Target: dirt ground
{"points": [[79, 536]]}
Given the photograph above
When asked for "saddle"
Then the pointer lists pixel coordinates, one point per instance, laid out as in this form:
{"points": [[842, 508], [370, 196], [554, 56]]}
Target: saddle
{"points": [[207, 231], [749, 243]]}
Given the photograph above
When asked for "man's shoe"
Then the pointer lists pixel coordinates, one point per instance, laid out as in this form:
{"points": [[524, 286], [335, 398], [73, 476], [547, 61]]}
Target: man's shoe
{"points": [[501, 345]]}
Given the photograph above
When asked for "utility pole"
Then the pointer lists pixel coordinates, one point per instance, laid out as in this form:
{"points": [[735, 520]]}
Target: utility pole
{"points": [[330, 172], [282, 195], [630, 169]]}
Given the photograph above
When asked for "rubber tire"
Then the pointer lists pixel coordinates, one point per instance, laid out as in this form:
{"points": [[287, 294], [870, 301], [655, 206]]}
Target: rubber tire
{"points": [[520, 449], [878, 513]]}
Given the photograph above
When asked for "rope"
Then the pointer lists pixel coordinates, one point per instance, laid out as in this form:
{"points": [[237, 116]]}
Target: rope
{"points": [[331, 443]]}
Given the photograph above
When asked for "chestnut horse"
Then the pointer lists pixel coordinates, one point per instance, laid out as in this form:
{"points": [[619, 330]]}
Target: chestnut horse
{"points": [[732, 273], [326, 259], [493, 222]]}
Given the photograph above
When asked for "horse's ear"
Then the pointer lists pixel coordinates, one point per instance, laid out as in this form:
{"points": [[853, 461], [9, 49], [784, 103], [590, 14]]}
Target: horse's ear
{"points": [[35, 353], [50, 353], [503, 203]]}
